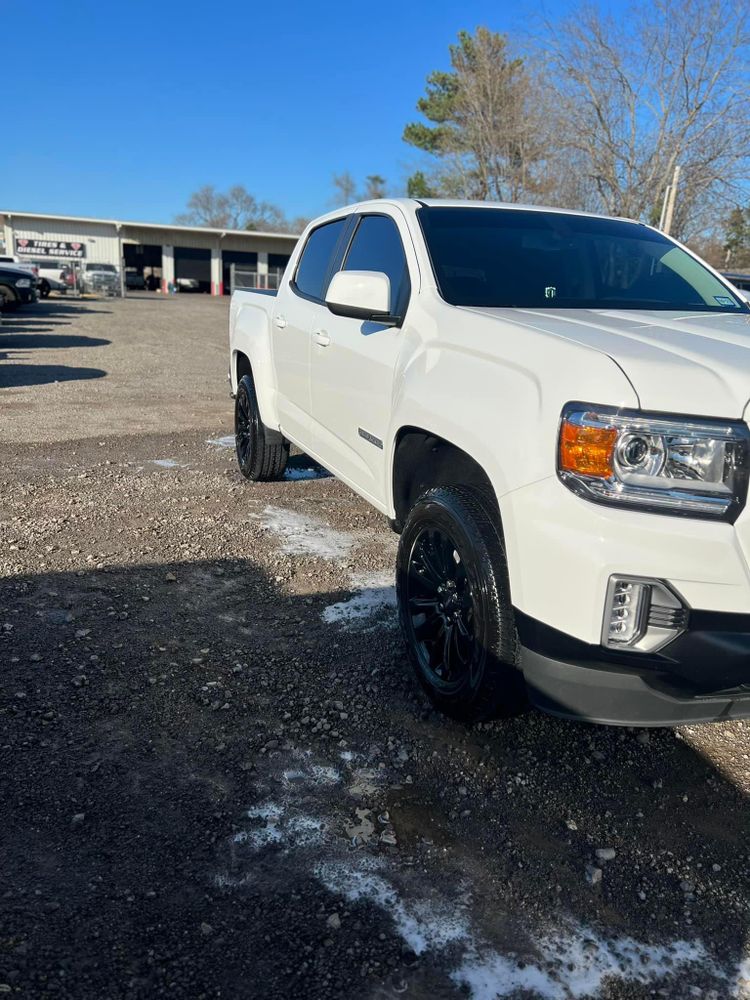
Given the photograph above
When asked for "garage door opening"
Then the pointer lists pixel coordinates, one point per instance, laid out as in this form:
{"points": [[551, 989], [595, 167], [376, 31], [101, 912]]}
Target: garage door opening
{"points": [[142, 266], [192, 269]]}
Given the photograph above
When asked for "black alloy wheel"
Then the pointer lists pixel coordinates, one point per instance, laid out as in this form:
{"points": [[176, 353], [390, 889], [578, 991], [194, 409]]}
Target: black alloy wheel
{"points": [[454, 606], [441, 608], [259, 459]]}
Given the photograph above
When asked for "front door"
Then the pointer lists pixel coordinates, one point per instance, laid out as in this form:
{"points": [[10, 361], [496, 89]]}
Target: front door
{"points": [[352, 365]]}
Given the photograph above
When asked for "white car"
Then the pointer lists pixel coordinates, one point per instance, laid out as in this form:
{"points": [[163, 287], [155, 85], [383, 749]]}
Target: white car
{"points": [[551, 408]]}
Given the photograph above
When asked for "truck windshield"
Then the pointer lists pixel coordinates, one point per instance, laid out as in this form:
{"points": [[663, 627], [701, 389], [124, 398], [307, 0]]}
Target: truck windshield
{"points": [[552, 260]]}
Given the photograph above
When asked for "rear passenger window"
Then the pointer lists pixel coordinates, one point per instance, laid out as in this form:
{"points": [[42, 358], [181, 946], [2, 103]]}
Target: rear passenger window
{"points": [[316, 257], [377, 246]]}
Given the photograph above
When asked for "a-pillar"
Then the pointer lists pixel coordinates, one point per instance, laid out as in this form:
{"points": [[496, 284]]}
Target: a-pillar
{"points": [[217, 281], [262, 269], [167, 267]]}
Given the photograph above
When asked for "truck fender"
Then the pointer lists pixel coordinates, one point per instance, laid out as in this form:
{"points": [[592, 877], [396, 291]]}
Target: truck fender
{"points": [[250, 326]]}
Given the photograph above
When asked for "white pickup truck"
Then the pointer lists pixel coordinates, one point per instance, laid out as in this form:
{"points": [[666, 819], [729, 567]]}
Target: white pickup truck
{"points": [[551, 408]]}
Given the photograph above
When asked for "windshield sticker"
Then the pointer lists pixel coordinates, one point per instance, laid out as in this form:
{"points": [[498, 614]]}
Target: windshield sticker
{"points": [[724, 300]]}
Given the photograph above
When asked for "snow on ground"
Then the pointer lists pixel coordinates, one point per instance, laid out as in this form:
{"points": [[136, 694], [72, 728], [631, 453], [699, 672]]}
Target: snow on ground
{"points": [[300, 534], [564, 960], [373, 593]]}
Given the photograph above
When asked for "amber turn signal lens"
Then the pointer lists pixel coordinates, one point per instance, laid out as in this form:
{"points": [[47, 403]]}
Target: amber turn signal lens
{"points": [[587, 450]]}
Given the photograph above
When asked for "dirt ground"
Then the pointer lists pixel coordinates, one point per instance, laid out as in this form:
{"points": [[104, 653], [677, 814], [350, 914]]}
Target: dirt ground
{"points": [[218, 778]]}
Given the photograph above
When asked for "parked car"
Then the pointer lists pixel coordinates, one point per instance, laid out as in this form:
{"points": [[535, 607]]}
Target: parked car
{"points": [[550, 407], [49, 276], [187, 284], [100, 278], [17, 287], [134, 280], [18, 264]]}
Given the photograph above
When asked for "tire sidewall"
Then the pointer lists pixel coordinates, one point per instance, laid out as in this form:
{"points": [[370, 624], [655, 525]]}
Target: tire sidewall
{"points": [[486, 571]]}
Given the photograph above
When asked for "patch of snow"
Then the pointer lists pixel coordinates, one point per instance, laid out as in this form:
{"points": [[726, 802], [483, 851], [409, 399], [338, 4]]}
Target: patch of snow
{"points": [[167, 463], [423, 925], [222, 442], [317, 775], [374, 593], [267, 811], [569, 963], [575, 963], [301, 534], [325, 775], [288, 831]]}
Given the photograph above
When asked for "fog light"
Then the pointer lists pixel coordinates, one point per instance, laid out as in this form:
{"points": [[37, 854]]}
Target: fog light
{"points": [[641, 615]]}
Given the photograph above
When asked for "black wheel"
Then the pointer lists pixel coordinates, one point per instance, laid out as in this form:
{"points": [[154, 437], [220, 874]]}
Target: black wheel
{"points": [[8, 298], [454, 605], [44, 289], [258, 459]]}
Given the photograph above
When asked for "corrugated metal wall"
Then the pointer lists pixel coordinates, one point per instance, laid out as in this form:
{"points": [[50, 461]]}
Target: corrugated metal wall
{"points": [[100, 237]]}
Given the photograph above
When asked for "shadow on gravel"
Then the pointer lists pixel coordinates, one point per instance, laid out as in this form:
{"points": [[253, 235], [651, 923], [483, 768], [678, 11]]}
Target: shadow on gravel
{"points": [[60, 308], [14, 376], [145, 709], [16, 340]]}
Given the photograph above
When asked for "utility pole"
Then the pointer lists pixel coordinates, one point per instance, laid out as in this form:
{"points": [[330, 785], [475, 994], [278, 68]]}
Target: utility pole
{"points": [[667, 209]]}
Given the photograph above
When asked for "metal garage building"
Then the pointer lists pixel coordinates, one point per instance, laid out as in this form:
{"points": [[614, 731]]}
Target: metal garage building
{"points": [[165, 251]]}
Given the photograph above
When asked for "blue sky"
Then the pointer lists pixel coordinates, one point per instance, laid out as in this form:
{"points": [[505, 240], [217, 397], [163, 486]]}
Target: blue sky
{"points": [[130, 106]]}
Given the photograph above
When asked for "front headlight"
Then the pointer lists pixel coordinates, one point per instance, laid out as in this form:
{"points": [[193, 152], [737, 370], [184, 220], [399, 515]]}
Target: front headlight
{"points": [[640, 461], [23, 283]]}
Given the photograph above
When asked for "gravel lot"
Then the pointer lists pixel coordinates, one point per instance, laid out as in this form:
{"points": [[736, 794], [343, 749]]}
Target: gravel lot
{"points": [[218, 777]]}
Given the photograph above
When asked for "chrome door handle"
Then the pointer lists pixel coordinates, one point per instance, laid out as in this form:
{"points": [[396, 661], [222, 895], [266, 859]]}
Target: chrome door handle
{"points": [[280, 322], [321, 338]]}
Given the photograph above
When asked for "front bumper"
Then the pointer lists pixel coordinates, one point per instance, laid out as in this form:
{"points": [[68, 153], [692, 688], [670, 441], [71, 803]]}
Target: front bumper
{"points": [[701, 676], [27, 295]]}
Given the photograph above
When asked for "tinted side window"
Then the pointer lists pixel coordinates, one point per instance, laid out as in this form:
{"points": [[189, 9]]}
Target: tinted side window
{"points": [[313, 266], [377, 246]]}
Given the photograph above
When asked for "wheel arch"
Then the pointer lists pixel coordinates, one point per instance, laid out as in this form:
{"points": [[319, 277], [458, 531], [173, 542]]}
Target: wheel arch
{"points": [[423, 460], [251, 355]]}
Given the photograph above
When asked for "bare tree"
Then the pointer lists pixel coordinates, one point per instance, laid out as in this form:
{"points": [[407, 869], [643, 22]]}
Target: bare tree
{"points": [[374, 187], [345, 187], [234, 209], [632, 102]]}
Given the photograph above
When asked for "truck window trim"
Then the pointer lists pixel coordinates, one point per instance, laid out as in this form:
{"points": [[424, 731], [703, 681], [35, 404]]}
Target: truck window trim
{"points": [[336, 255]]}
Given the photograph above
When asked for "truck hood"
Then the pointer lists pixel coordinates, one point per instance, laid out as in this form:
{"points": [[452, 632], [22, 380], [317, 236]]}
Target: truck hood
{"points": [[696, 363]]}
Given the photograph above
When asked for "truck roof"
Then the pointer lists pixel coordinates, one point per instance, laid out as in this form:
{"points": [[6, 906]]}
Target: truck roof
{"points": [[411, 203]]}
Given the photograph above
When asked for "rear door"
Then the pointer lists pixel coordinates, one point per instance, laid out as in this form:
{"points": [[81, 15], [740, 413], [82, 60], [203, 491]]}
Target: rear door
{"points": [[296, 314], [353, 362]]}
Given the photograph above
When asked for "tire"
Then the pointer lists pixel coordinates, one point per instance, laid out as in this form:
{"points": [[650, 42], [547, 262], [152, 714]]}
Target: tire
{"points": [[44, 289], [454, 606], [8, 298], [258, 459]]}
